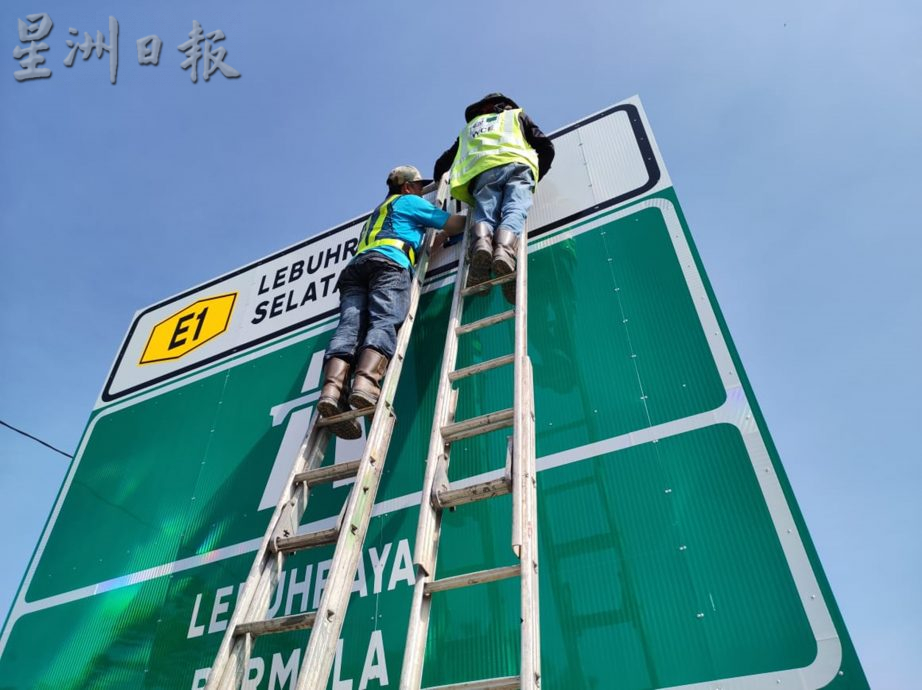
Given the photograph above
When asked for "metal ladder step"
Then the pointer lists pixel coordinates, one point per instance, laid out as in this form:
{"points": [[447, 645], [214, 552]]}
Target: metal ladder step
{"points": [[330, 473], [487, 285], [477, 425], [471, 579], [449, 498], [483, 323], [297, 621], [345, 416], [306, 541], [480, 367], [505, 683]]}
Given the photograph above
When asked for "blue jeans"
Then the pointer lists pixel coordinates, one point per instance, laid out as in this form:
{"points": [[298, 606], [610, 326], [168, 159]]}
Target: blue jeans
{"points": [[503, 196], [374, 299]]}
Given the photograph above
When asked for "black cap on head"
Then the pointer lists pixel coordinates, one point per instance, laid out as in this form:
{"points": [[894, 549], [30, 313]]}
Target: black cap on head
{"points": [[473, 110]]}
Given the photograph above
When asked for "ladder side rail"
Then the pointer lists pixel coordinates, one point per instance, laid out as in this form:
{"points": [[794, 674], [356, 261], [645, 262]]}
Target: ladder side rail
{"points": [[523, 467], [318, 658], [429, 526], [536, 582], [424, 555], [530, 672], [520, 401], [267, 566]]}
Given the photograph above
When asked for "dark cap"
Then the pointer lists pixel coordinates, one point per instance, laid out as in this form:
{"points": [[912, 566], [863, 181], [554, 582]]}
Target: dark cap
{"points": [[473, 110]]}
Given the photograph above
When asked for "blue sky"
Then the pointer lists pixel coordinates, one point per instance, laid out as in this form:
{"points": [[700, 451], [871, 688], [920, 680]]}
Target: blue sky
{"points": [[791, 133]]}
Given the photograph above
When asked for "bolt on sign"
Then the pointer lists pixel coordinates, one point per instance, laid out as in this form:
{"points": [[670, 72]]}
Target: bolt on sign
{"points": [[673, 554]]}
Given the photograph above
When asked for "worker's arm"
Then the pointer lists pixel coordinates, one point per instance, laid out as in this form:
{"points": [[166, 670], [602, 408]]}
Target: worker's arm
{"points": [[453, 226], [539, 142], [444, 162]]}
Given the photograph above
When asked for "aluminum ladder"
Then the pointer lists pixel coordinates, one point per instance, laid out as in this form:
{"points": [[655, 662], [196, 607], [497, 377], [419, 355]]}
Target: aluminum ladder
{"points": [[519, 479], [249, 618]]}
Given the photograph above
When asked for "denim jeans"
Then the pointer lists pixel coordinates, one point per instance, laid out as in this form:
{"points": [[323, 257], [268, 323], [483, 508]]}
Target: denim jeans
{"points": [[374, 299], [503, 196]]}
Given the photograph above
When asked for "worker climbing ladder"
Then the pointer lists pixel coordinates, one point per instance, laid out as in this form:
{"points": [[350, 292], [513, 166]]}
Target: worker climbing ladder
{"points": [[249, 619], [519, 479]]}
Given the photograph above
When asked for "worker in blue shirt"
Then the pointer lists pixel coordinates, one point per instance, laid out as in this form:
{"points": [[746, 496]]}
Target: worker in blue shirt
{"points": [[374, 295]]}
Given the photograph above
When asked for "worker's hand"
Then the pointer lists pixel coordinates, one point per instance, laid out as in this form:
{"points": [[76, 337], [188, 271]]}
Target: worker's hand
{"points": [[438, 242]]}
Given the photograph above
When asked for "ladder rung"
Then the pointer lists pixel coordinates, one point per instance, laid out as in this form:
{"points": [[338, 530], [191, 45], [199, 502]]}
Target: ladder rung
{"points": [[481, 367], [331, 473], [483, 323], [470, 579], [477, 492], [306, 541], [346, 416], [487, 284], [298, 621], [477, 425], [505, 683]]}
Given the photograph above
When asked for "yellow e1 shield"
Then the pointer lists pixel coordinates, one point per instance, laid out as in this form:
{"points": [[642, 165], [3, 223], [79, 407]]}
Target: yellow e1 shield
{"points": [[185, 330]]}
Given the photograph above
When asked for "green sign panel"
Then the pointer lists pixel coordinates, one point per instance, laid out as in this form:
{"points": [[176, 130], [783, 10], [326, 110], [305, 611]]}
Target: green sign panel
{"points": [[672, 551]]}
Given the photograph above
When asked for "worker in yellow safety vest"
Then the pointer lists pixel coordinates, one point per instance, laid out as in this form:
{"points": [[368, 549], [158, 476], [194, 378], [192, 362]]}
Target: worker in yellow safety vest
{"points": [[374, 295], [495, 163]]}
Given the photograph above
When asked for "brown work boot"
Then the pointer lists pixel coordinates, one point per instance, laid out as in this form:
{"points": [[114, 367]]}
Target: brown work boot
{"points": [[480, 252], [333, 396], [368, 374], [505, 243]]}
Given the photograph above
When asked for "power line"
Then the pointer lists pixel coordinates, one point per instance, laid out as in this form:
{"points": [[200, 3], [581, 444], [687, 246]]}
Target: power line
{"points": [[34, 438]]}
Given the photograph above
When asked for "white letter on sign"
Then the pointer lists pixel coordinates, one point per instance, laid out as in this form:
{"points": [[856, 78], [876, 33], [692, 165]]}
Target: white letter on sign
{"points": [[375, 663], [195, 630]]}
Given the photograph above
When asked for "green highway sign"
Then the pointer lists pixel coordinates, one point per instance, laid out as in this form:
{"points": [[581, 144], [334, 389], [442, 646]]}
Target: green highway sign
{"points": [[673, 554]]}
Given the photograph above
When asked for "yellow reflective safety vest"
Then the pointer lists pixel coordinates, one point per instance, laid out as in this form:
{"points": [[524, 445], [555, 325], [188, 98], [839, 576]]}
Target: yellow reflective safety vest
{"points": [[489, 141], [371, 233]]}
